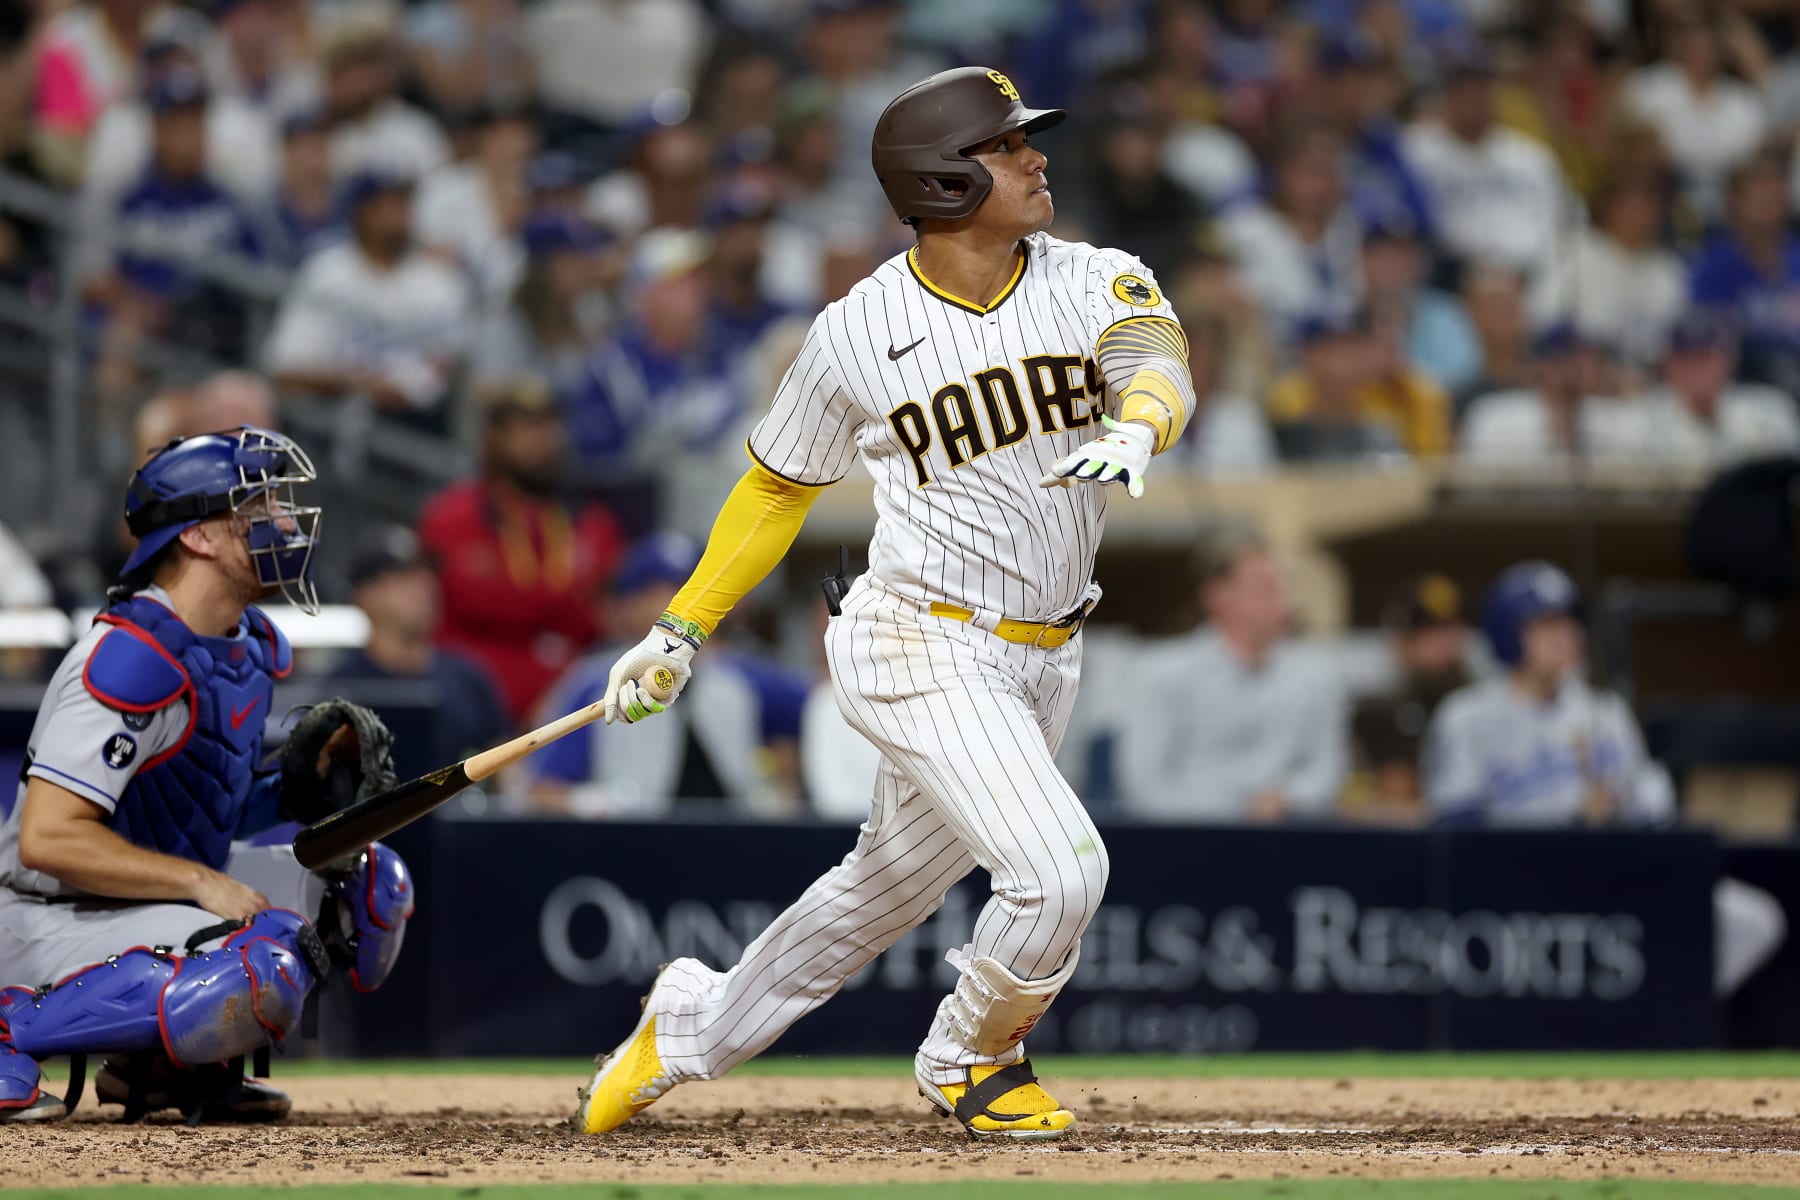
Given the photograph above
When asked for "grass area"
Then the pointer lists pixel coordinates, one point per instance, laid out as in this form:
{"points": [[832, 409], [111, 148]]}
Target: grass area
{"points": [[1360, 1064], [1292, 1189]]}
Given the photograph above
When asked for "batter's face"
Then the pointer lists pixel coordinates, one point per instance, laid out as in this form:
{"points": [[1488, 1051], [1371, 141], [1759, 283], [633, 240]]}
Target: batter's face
{"points": [[1020, 202], [1552, 646]]}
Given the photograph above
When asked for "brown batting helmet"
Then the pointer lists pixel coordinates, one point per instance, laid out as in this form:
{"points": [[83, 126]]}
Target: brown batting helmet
{"points": [[921, 144]]}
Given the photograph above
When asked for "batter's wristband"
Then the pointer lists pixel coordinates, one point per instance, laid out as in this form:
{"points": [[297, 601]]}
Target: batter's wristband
{"points": [[688, 630]]}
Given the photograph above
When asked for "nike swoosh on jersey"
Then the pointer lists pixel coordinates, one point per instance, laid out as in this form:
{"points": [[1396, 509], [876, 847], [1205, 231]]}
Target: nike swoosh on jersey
{"points": [[896, 355], [238, 715]]}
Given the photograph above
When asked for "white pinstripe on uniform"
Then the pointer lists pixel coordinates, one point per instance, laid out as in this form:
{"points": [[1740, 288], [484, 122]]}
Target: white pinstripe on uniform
{"points": [[967, 722]]}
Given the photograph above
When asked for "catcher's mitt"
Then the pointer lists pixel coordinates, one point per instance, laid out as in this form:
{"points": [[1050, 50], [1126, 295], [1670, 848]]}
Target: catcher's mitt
{"points": [[338, 754]]}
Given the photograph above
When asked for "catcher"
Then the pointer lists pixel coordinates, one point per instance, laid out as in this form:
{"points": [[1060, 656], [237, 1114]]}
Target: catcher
{"points": [[150, 905]]}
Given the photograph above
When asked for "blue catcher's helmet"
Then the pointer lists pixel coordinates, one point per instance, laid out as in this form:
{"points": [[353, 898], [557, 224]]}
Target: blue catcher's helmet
{"points": [[247, 471], [1522, 594]]}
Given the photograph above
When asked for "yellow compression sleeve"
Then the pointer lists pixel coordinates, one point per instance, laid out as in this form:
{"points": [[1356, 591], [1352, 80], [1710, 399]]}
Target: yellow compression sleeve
{"points": [[753, 530], [1150, 355]]}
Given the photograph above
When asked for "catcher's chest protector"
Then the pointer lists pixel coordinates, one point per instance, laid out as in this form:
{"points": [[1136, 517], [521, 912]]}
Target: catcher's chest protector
{"points": [[188, 799]]}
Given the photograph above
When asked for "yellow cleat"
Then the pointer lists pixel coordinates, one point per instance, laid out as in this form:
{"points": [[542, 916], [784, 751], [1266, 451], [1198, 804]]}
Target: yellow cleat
{"points": [[1001, 1102], [625, 1082]]}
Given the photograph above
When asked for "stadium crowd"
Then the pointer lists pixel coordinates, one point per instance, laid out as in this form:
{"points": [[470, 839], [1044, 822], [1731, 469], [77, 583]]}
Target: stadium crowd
{"points": [[584, 237]]}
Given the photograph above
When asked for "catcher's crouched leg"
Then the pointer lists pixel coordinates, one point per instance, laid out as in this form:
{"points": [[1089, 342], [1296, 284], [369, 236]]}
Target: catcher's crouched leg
{"points": [[373, 902], [201, 1008]]}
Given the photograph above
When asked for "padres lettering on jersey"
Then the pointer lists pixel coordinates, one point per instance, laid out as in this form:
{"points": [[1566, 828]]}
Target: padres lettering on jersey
{"points": [[959, 409]]}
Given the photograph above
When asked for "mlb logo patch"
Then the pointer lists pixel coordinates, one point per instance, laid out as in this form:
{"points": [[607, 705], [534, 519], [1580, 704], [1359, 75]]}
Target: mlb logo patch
{"points": [[119, 750]]}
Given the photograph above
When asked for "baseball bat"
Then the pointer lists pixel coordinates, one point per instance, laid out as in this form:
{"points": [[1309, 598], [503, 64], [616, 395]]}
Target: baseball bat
{"points": [[349, 830]]}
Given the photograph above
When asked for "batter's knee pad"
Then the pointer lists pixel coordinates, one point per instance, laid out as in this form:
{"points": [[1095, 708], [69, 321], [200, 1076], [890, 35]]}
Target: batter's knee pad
{"points": [[18, 1070], [992, 1009], [202, 1008], [374, 902]]}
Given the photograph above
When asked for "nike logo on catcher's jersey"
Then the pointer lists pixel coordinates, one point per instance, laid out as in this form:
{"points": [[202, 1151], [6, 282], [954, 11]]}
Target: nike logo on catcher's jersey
{"points": [[238, 715], [896, 355]]}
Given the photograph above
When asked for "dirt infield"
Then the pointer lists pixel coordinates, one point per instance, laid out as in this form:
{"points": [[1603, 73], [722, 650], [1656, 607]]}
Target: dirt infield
{"points": [[463, 1129]]}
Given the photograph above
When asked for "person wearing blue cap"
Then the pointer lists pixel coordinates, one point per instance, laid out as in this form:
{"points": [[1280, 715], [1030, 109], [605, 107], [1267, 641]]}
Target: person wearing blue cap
{"points": [[1539, 747], [614, 771], [558, 309], [1561, 414], [175, 216], [309, 212], [1319, 411], [1698, 416]]}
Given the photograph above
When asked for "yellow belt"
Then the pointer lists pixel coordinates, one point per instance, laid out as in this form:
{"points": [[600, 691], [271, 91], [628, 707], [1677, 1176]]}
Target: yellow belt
{"points": [[1047, 635]]}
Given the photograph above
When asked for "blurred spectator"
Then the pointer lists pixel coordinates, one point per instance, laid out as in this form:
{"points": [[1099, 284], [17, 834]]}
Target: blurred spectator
{"points": [[816, 207], [241, 151], [1360, 96], [1698, 416], [253, 58], [1236, 723], [1710, 123], [738, 219], [308, 214], [1319, 410], [1494, 298], [1751, 268], [1496, 194], [559, 307], [837, 764], [372, 315], [1559, 416], [1298, 254], [1619, 284], [469, 54], [372, 129], [600, 66], [1076, 42], [666, 375], [851, 48], [472, 211], [1207, 284], [1538, 747], [1130, 201], [661, 184], [395, 588], [1229, 434], [87, 60], [1434, 333], [706, 751], [172, 219], [228, 400], [1418, 408], [518, 558], [1206, 158], [1424, 659]]}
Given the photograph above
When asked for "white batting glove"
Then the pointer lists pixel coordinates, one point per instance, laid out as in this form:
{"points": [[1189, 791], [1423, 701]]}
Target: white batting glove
{"points": [[664, 646], [1121, 455]]}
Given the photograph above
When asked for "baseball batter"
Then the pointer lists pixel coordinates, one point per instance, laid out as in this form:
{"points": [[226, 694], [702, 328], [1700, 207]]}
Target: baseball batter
{"points": [[990, 377]]}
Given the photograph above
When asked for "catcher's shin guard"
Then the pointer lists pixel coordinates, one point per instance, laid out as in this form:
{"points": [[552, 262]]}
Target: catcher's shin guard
{"points": [[373, 902], [201, 1008]]}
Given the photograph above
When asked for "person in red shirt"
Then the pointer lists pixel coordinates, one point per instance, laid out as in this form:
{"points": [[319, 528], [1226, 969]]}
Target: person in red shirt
{"points": [[518, 558]]}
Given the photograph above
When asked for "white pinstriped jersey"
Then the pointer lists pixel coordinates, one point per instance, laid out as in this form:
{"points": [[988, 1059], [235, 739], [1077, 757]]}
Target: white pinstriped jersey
{"points": [[959, 410]]}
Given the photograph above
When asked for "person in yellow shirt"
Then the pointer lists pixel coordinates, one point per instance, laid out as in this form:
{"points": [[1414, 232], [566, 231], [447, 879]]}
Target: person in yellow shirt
{"points": [[1354, 395]]}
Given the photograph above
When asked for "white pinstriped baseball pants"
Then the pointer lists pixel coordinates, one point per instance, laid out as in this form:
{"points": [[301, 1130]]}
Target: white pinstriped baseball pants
{"points": [[967, 725]]}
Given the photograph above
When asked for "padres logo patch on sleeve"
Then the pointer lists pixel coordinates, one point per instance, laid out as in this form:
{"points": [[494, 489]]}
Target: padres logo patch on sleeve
{"points": [[1136, 292]]}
